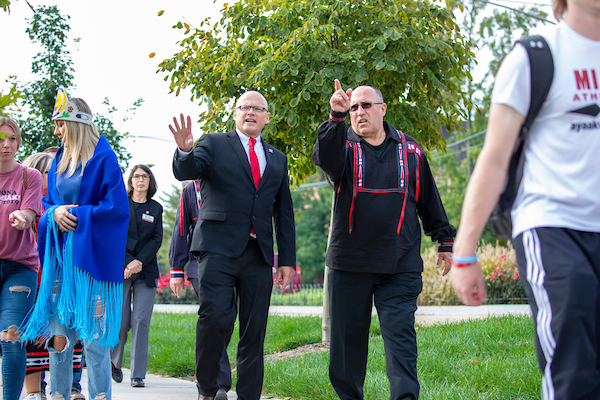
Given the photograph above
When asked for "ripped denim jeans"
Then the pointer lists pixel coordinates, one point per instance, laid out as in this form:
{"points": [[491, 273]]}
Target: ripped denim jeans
{"points": [[18, 286], [97, 360]]}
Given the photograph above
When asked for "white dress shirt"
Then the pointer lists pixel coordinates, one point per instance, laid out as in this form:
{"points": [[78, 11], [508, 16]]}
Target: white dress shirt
{"points": [[258, 149]]}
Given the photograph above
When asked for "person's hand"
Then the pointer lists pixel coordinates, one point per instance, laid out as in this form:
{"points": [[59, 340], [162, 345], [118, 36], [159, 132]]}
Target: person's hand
{"points": [[469, 284], [340, 100], [18, 220], [65, 220], [133, 267], [285, 275], [176, 286], [446, 259], [183, 135]]}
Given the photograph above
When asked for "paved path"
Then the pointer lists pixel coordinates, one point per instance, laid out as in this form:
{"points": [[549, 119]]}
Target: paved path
{"points": [[424, 314], [160, 388]]}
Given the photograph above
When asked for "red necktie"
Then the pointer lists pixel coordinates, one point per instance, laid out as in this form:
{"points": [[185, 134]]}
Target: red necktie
{"points": [[255, 172], [254, 163]]}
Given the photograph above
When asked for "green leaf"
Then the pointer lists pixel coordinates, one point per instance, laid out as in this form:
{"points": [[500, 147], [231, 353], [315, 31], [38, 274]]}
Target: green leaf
{"points": [[291, 119], [318, 80], [309, 76]]}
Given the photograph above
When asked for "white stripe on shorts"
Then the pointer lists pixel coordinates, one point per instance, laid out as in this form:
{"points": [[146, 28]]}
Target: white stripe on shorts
{"points": [[535, 277]]}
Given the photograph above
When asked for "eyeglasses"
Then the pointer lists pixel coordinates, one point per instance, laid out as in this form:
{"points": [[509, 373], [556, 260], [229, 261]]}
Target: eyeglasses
{"points": [[137, 177], [364, 104], [255, 108]]}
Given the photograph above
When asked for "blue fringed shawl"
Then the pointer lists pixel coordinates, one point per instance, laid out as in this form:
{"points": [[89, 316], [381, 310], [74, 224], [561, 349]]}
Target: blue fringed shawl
{"points": [[88, 263]]}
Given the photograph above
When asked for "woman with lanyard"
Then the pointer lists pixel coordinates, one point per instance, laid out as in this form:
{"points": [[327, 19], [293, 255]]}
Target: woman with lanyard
{"points": [[82, 236], [140, 276]]}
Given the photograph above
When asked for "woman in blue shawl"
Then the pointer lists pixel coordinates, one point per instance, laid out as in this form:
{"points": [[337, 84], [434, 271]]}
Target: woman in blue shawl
{"points": [[81, 239]]}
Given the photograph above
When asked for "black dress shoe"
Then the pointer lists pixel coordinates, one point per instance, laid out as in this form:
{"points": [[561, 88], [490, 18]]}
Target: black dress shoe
{"points": [[117, 374], [137, 382], [221, 395]]}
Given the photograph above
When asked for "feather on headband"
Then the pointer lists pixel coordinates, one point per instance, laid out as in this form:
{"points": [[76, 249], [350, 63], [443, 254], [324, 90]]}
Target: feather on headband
{"points": [[66, 110]]}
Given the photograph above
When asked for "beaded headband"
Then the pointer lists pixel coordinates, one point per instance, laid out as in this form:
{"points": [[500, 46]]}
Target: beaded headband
{"points": [[66, 110]]}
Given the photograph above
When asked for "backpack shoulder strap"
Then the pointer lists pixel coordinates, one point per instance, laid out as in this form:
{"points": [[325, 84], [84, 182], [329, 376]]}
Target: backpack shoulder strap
{"points": [[542, 73]]}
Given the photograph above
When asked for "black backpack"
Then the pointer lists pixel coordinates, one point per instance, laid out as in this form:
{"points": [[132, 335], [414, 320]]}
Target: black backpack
{"points": [[542, 72]]}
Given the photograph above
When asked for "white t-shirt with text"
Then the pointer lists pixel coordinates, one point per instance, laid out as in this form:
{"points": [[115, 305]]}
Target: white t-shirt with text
{"points": [[561, 177]]}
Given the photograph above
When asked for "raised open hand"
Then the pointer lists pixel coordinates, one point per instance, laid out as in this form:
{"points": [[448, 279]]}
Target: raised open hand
{"points": [[340, 100], [183, 135]]}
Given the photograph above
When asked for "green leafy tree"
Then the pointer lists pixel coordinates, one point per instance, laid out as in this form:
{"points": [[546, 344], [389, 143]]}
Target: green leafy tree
{"points": [[291, 51], [54, 67], [491, 31]]}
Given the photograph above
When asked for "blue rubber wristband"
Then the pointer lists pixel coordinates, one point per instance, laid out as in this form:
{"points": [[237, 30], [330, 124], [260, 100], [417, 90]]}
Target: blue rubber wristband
{"points": [[465, 260]]}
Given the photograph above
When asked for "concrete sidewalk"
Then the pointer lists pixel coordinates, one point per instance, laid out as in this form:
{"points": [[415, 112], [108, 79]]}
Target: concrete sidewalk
{"points": [[424, 315], [159, 388]]}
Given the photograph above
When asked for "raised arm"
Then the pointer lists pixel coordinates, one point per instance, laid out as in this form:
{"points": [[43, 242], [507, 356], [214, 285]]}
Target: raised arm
{"points": [[329, 151], [183, 134]]}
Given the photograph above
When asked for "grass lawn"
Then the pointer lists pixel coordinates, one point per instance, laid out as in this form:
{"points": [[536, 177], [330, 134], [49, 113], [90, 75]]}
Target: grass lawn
{"points": [[489, 359]]}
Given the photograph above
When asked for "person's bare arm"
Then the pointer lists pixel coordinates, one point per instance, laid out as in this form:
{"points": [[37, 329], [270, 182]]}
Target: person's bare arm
{"points": [[483, 192]]}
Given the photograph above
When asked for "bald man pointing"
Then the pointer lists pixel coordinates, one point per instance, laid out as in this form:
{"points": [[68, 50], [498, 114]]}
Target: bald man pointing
{"points": [[383, 186], [245, 191]]}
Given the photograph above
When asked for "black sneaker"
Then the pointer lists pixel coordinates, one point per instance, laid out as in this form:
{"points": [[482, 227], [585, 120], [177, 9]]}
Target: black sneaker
{"points": [[117, 374], [137, 382]]}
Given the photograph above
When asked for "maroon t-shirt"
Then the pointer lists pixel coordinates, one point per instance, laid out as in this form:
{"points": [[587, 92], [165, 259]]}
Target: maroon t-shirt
{"points": [[16, 245]]}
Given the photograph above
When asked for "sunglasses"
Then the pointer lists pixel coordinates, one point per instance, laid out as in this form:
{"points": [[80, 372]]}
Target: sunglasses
{"points": [[364, 104]]}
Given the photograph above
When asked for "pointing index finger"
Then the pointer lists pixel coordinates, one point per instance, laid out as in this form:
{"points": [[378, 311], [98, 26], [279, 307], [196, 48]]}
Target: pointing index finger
{"points": [[338, 85]]}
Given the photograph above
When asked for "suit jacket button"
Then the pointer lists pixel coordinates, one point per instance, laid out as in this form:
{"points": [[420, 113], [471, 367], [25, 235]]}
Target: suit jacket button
{"points": [[253, 218]]}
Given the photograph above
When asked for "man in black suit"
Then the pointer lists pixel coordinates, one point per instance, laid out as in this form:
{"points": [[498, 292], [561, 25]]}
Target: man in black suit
{"points": [[245, 188]]}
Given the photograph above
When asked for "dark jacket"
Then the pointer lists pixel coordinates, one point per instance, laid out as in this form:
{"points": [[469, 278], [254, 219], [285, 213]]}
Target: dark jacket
{"points": [[185, 222], [378, 200], [231, 205], [143, 244]]}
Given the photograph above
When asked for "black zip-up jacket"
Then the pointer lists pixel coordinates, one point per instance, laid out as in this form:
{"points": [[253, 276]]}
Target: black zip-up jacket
{"points": [[377, 200]]}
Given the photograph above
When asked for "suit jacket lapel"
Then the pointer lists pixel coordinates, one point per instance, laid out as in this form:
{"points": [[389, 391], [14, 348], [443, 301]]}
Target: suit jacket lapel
{"points": [[239, 151], [270, 160]]}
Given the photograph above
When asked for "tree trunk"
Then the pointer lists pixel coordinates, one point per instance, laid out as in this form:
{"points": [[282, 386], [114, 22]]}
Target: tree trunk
{"points": [[326, 324]]}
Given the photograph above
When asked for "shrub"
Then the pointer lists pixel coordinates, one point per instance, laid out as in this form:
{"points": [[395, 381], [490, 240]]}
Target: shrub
{"points": [[438, 290], [503, 283]]}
